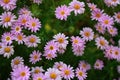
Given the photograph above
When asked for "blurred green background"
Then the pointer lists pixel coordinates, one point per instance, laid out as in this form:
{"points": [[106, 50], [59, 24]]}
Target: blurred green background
{"points": [[51, 26]]}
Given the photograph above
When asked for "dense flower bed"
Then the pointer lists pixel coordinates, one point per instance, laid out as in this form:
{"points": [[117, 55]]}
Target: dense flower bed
{"points": [[59, 40]]}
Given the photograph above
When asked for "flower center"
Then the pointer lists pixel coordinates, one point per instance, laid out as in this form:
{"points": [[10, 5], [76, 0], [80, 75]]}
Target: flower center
{"points": [[75, 41], [20, 37], [35, 57], [23, 74], [24, 21], [17, 29], [8, 38], [6, 1], [7, 49], [62, 12], [102, 42], [7, 19], [98, 15], [39, 78], [87, 34], [114, 0], [80, 73], [32, 40], [76, 6], [97, 64], [16, 62], [67, 72], [84, 65], [33, 24], [53, 75], [51, 47], [116, 52], [49, 55], [118, 16], [106, 21], [37, 71], [60, 40]]}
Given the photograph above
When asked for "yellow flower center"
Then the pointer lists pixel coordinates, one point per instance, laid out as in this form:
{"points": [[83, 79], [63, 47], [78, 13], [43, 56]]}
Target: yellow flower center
{"points": [[20, 37], [60, 40], [106, 21], [118, 16], [97, 64], [102, 42], [37, 71], [32, 40], [6, 1], [7, 49], [87, 34], [62, 12], [7, 19], [16, 62], [39, 78], [76, 6], [23, 74], [84, 65], [49, 55], [17, 29], [33, 24], [67, 72], [24, 21], [114, 0], [75, 41], [116, 52], [8, 38], [98, 15], [80, 73], [35, 57], [53, 75], [51, 47]]}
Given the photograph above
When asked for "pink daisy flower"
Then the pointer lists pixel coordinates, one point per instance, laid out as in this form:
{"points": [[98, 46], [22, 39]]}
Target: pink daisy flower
{"points": [[21, 73], [117, 17], [62, 41], [49, 56], [67, 72], [32, 41], [39, 76], [101, 42], [53, 74], [59, 65], [23, 19], [33, 24], [37, 70], [92, 6], [112, 3], [16, 28], [37, 1], [7, 51], [106, 21], [51, 47], [116, 53], [17, 61], [84, 65], [100, 28], [24, 11], [7, 38], [20, 38], [98, 64], [8, 4], [35, 57], [78, 45], [6, 19], [112, 31], [62, 12], [97, 14], [109, 51], [87, 34], [81, 74], [77, 7]]}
